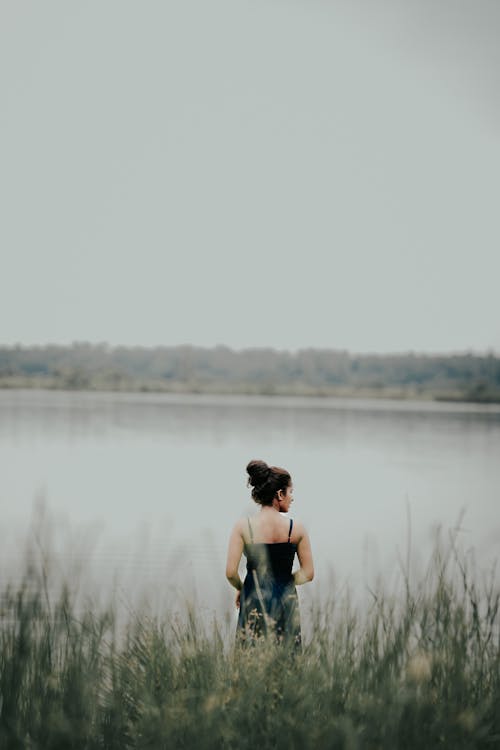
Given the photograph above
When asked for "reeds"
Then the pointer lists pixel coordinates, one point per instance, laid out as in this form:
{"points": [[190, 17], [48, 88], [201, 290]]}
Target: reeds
{"points": [[416, 670]]}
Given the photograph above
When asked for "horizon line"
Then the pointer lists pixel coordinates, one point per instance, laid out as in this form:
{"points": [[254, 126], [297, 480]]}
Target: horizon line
{"points": [[469, 351]]}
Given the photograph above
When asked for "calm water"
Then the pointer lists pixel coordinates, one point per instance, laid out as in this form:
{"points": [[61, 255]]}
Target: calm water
{"points": [[148, 486]]}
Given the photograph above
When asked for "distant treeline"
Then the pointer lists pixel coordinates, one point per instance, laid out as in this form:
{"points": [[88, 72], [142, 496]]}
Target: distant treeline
{"points": [[220, 369]]}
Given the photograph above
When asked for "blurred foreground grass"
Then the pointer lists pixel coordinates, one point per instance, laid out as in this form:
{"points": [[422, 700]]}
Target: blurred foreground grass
{"points": [[420, 670]]}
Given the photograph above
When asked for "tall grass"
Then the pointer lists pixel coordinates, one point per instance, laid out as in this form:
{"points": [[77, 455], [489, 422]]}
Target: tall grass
{"points": [[418, 670]]}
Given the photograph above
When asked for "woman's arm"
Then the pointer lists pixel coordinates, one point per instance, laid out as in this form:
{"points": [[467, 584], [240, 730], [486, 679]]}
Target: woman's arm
{"points": [[306, 571], [234, 552]]}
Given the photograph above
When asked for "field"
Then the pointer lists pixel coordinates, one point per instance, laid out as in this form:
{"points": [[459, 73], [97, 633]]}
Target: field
{"points": [[420, 669]]}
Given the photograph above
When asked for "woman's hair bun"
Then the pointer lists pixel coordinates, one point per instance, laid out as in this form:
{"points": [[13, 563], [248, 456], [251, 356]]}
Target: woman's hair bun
{"points": [[266, 481], [258, 472]]}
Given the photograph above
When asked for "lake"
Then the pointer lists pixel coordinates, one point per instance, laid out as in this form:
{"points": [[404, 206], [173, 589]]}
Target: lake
{"points": [[144, 488]]}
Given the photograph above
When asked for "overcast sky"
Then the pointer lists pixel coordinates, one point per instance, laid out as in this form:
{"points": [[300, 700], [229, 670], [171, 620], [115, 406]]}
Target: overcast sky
{"points": [[264, 173]]}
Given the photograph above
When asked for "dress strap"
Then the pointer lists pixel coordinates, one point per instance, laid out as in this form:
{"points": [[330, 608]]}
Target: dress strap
{"points": [[290, 530], [250, 530]]}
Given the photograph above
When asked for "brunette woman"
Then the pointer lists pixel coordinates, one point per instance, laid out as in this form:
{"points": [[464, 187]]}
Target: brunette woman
{"points": [[267, 598]]}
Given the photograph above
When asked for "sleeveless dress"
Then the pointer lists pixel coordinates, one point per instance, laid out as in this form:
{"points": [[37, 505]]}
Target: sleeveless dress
{"points": [[269, 603]]}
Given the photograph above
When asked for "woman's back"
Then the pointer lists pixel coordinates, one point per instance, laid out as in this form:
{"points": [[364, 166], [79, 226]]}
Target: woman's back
{"points": [[273, 559], [267, 597], [269, 600], [270, 528]]}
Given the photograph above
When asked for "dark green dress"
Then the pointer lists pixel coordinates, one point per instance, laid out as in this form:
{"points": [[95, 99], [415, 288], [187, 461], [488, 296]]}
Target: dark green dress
{"points": [[269, 603]]}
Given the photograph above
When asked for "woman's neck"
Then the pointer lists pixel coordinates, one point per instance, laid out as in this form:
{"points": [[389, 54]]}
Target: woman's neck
{"points": [[270, 508]]}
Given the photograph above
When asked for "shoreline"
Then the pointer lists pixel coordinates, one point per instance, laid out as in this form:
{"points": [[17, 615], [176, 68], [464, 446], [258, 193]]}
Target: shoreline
{"points": [[126, 385]]}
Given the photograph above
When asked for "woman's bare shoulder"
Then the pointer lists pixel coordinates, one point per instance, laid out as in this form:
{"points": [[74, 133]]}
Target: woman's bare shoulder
{"points": [[299, 530], [240, 526]]}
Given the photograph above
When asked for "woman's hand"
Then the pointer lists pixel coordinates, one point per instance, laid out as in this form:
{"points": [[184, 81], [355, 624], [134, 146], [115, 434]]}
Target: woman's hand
{"points": [[238, 596]]}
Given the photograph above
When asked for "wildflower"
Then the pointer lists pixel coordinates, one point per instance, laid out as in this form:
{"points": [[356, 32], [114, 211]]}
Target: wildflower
{"points": [[211, 703], [467, 720], [419, 668]]}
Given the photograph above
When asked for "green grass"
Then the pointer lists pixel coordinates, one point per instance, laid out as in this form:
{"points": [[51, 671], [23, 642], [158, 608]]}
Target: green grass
{"points": [[417, 670]]}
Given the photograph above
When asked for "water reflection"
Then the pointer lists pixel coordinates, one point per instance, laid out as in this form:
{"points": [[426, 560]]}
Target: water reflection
{"points": [[170, 470]]}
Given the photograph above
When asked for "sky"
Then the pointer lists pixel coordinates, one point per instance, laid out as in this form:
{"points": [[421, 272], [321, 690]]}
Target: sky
{"points": [[292, 174]]}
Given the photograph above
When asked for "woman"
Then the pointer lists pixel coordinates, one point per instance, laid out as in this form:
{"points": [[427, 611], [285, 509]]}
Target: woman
{"points": [[267, 599]]}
